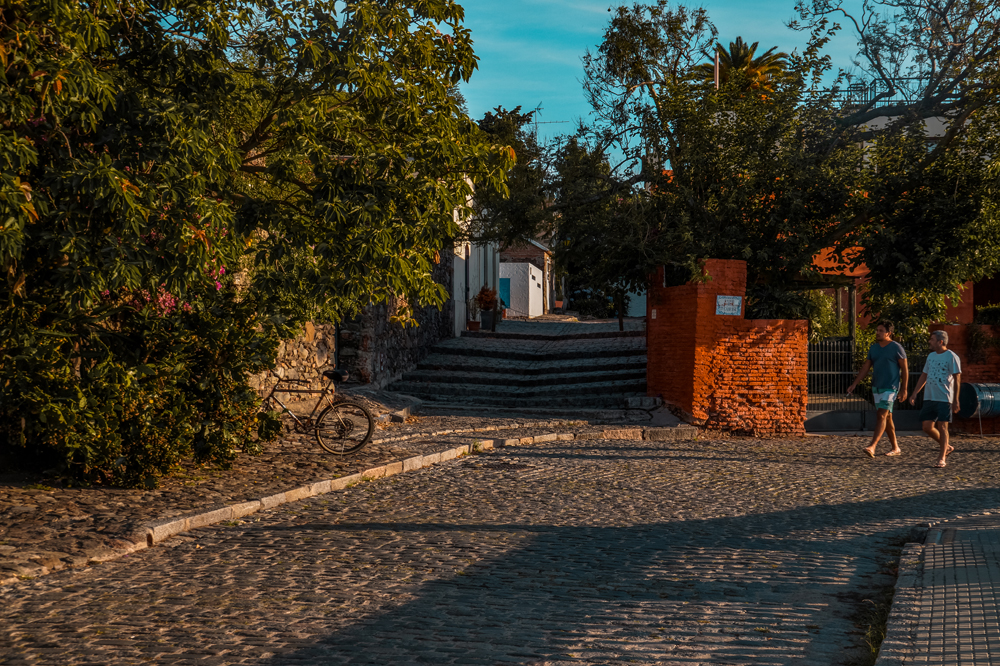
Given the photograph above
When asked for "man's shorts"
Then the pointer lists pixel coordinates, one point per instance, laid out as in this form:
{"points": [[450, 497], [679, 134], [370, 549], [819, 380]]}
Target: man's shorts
{"points": [[935, 410], [884, 398]]}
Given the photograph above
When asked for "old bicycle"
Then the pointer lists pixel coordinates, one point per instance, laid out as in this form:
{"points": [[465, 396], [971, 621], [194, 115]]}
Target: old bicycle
{"points": [[343, 427]]}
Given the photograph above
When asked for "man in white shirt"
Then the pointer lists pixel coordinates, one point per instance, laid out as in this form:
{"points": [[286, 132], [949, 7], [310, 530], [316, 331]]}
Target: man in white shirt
{"points": [[942, 375]]}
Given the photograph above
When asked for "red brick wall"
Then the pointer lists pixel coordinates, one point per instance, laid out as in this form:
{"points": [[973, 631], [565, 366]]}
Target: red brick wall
{"points": [[525, 253], [725, 371]]}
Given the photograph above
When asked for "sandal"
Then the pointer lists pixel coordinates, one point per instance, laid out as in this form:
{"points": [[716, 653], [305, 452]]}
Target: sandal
{"points": [[941, 463], [893, 453], [869, 453]]}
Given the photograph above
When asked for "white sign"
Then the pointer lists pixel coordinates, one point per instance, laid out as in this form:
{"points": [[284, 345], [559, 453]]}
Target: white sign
{"points": [[729, 305]]}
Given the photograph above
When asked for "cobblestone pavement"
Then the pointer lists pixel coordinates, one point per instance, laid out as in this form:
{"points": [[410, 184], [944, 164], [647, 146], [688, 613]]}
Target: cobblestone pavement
{"points": [[45, 528], [729, 551]]}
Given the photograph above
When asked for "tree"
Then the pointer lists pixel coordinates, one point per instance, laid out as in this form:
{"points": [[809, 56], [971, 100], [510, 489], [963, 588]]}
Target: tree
{"points": [[598, 233], [518, 209], [760, 70], [152, 151], [776, 179]]}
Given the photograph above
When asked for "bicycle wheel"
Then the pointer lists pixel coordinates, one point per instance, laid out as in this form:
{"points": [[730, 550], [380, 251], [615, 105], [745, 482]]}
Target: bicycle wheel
{"points": [[344, 428]]}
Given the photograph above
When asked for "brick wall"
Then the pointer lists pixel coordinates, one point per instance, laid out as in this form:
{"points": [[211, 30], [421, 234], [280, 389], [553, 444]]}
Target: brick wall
{"points": [[725, 372], [524, 253]]}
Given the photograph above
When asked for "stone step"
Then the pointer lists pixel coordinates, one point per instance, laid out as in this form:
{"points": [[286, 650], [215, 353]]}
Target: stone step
{"points": [[610, 393], [450, 363], [598, 335], [507, 379], [590, 414], [541, 351], [581, 403]]}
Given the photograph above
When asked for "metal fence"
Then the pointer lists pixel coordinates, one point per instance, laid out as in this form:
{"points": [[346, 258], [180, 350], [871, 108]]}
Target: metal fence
{"points": [[831, 370]]}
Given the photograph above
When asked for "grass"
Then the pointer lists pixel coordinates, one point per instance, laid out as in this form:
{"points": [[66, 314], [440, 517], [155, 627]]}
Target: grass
{"points": [[872, 616]]}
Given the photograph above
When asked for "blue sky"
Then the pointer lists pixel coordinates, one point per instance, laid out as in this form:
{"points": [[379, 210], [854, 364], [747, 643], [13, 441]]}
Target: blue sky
{"points": [[530, 50]]}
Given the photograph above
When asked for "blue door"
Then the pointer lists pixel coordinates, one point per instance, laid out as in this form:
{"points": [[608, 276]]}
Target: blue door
{"points": [[505, 292]]}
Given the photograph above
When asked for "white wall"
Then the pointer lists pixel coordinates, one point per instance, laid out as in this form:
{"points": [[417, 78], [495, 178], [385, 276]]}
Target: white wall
{"points": [[526, 289], [637, 304], [483, 268]]}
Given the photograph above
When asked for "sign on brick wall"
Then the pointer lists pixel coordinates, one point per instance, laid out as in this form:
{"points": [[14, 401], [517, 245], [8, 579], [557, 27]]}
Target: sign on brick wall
{"points": [[729, 305]]}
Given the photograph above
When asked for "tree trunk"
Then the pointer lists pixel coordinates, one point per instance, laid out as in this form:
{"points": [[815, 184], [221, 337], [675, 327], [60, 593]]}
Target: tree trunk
{"points": [[620, 306]]}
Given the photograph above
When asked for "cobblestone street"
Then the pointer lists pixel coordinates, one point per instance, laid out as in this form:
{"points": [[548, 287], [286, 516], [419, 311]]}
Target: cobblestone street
{"points": [[728, 551]]}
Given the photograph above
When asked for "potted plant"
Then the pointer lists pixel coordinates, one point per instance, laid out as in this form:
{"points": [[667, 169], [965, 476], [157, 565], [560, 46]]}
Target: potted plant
{"points": [[486, 299], [472, 315]]}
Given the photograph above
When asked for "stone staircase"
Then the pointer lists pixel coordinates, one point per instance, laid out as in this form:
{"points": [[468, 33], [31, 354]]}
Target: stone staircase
{"points": [[535, 367]]}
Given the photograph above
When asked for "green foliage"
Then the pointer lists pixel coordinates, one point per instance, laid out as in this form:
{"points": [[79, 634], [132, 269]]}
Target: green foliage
{"points": [[823, 322], [600, 236], [151, 151], [818, 308], [145, 393], [508, 213], [759, 70], [775, 176], [988, 315]]}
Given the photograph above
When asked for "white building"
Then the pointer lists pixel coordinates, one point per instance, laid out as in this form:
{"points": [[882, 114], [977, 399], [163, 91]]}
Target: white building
{"points": [[522, 288], [476, 264]]}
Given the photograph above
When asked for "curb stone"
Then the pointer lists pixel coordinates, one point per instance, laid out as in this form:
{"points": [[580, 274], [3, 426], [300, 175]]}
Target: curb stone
{"points": [[156, 531], [898, 645]]}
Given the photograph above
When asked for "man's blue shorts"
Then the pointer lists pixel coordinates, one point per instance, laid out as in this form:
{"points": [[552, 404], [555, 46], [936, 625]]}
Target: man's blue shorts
{"points": [[934, 410], [884, 398]]}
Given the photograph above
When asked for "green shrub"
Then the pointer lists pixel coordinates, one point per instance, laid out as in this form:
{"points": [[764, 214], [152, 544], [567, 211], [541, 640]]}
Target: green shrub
{"points": [[818, 308], [987, 315], [125, 401]]}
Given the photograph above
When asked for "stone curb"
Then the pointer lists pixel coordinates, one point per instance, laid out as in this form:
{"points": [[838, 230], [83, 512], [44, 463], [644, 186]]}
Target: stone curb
{"points": [[898, 647], [153, 532]]}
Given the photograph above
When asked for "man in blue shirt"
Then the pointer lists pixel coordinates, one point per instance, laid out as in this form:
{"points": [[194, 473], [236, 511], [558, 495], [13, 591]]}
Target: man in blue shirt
{"points": [[943, 376], [888, 383]]}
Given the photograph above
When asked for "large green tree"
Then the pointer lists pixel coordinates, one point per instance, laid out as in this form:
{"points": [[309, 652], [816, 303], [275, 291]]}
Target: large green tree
{"points": [[183, 183], [517, 209], [777, 178]]}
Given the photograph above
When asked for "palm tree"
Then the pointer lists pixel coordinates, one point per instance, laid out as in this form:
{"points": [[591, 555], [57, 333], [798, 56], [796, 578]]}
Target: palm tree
{"points": [[762, 71]]}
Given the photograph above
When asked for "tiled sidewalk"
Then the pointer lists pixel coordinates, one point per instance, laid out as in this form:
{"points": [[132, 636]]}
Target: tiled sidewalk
{"points": [[947, 606]]}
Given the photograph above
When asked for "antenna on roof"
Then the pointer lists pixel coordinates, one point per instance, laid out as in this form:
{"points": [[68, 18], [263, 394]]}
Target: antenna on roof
{"points": [[537, 111]]}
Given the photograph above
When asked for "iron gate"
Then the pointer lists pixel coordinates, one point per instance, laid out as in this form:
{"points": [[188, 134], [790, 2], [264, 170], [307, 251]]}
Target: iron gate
{"points": [[831, 369]]}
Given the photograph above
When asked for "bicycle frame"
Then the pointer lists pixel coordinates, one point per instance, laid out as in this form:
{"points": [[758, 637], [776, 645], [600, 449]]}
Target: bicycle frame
{"points": [[327, 392]]}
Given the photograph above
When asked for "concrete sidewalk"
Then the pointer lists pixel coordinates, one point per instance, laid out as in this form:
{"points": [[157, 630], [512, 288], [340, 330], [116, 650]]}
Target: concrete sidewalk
{"points": [[947, 605]]}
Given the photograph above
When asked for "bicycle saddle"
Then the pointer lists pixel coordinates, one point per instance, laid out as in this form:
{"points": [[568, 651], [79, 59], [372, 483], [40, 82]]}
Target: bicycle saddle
{"points": [[336, 375]]}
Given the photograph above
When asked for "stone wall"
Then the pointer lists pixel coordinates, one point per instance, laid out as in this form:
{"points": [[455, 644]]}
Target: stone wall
{"points": [[373, 350], [304, 357], [377, 351], [723, 371]]}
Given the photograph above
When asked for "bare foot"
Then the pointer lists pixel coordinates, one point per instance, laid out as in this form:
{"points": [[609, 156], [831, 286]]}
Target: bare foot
{"points": [[894, 452], [944, 462]]}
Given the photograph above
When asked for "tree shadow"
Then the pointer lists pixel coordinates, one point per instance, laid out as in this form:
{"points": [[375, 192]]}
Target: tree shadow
{"points": [[774, 588]]}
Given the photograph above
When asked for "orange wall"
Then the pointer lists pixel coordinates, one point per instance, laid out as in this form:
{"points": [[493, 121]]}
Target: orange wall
{"points": [[725, 371]]}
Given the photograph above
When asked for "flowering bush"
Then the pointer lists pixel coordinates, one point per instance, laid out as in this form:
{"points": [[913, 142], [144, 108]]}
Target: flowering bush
{"points": [[168, 385]]}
